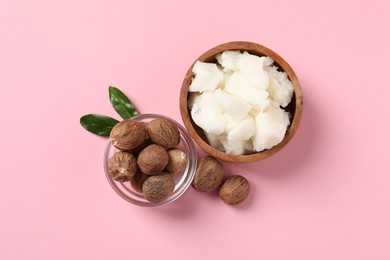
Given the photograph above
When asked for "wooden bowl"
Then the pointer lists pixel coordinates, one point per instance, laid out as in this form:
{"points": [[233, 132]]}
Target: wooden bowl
{"points": [[295, 106]]}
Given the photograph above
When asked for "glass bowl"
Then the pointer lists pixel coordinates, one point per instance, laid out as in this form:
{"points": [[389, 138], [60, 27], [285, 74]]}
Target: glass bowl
{"points": [[182, 180]]}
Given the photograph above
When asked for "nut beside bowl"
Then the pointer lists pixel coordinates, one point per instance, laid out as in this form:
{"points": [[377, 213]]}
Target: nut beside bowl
{"points": [[182, 180], [294, 108]]}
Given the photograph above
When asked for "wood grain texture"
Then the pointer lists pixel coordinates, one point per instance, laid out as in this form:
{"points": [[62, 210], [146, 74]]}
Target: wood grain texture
{"points": [[295, 107]]}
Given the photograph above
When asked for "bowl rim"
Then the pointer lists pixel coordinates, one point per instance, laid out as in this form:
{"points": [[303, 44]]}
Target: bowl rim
{"points": [[253, 48], [180, 187]]}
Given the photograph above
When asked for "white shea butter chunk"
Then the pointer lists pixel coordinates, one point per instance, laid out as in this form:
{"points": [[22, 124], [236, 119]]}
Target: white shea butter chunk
{"points": [[242, 131], [207, 77], [280, 88], [271, 126], [237, 85], [207, 114], [252, 69], [233, 106], [215, 141], [228, 60], [193, 97], [235, 141], [237, 148]]}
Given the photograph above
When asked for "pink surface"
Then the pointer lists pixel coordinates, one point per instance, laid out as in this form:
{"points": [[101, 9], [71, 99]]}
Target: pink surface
{"points": [[325, 196]]}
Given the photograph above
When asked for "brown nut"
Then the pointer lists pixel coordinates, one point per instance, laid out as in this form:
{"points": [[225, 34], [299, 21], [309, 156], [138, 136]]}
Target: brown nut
{"points": [[159, 187], [153, 159], [138, 180], [128, 134], [177, 161], [164, 133], [208, 175], [234, 190], [122, 166]]}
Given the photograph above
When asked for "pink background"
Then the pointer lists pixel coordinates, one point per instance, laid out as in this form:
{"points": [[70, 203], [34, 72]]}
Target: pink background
{"points": [[325, 196]]}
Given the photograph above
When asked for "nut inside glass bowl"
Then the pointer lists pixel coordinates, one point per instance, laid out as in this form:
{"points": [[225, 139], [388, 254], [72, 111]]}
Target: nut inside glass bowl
{"points": [[182, 180]]}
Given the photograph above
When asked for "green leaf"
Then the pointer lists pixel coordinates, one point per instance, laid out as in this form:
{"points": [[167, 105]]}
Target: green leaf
{"points": [[121, 103], [98, 124]]}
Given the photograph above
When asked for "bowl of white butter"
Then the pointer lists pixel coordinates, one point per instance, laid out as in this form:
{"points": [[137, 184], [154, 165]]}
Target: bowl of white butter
{"points": [[241, 102]]}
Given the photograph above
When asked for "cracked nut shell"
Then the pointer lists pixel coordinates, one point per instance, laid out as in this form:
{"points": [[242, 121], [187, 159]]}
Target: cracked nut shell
{"points": [[153, 159], [122, 166], [234, 190], [208, 175], [164, 133], [158, 187], [128, 134]]}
